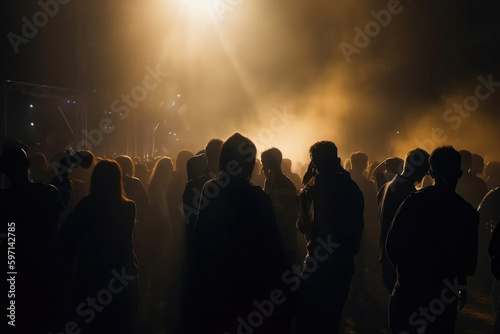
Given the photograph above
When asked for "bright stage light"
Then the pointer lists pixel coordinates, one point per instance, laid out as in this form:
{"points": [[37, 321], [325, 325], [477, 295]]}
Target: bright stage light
{"points": [[199, 7]]}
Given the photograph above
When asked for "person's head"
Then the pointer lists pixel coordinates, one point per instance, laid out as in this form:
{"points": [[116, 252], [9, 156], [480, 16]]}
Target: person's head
{"points": [[38, 163], [237, 156], [14, 163], [466, 160], [142, 172], [271, 160], [394, 165], [416, 164], [286, 166], [492, 173], [492, 169], [324, 156], [126, 164], [359, 161], [182, 159], [212, 151], [106, 181], [162, 171], [477, 165], [196, 166], [445, 167]]}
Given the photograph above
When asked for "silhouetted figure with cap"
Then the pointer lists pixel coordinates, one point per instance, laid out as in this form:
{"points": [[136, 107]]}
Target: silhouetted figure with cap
{"points": [[237, 258], [392, 195], [432, 243], [29, 215], [334, 232]]}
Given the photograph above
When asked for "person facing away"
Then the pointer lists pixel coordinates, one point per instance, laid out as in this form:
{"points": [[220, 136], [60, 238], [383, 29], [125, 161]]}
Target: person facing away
{"points": [[489, 213], [133, 187], [433, 244], [386, 171], [492, 174], [158, 228], [366, 260], [334, 235], [286, 167], [283, 195], [192, 193], [392, 194], [29, 214], [98, 279], [237, 254], [471, 187]]}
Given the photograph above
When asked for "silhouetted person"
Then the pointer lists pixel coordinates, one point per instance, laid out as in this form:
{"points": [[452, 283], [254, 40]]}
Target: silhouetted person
{"points": [[433, 245], [489, 214], [196, 166], [477, 165], [133, 187], [370, 169], [471, 187], [238, 259], [29, 215], [142, 173], [70, 188], [492, 174], [101, 289], [40, 169], [158, 229], [258, 178], [284, 198], [392, 196], [176, 257], [286, 167], [489, 211], [334, 236], [386, 171], [367, 259], [192, 193], [494, 252]]}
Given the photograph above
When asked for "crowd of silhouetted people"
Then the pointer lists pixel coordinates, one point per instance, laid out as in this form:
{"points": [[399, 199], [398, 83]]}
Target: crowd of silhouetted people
{"points": [[226, 241]]}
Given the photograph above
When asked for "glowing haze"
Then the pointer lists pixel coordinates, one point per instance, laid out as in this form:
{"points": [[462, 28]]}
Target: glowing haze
{"points": [[237, 62]]}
